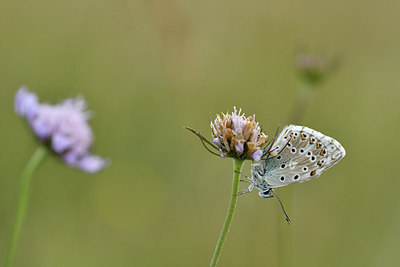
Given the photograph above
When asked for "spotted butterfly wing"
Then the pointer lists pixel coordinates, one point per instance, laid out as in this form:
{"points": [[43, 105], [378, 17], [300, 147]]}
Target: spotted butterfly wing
{"points": [[300, 154]]}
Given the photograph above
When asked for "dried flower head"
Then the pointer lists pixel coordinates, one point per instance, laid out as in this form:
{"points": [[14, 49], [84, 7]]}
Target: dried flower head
{"points": [[63, 127], [236, 136]]}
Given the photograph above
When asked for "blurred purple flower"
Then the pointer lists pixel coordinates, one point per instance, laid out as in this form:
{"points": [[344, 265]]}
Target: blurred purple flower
{"points": [[63, 127], [25, 103]]}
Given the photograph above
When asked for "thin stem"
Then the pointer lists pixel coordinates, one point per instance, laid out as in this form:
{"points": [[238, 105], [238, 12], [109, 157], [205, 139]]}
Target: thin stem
{"points": [[237, 167], [23, 200], [284, 233], [300, 106]]}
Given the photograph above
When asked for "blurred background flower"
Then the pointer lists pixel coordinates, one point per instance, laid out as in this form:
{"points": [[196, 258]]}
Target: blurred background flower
{"points": [[63, 127], [314, 68]]}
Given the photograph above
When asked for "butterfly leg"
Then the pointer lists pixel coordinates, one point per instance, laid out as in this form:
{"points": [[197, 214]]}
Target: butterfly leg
{"points": [[248, 190], [245, 181], [243, 192], [249, 178]]}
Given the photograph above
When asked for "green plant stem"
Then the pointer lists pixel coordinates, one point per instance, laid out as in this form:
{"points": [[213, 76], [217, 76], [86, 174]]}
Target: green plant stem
{"points": [[300, 106], [284, 233], [23, 199], [237, 167]]}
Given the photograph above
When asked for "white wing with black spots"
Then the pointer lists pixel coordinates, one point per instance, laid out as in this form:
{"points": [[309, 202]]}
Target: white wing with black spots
{"points": [[298, 155]]}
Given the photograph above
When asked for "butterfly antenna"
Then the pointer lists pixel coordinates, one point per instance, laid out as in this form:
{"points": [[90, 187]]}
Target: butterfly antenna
{"points": [[285, 145], [280, 151], [276, 132], [283, 209], [272, 142]]}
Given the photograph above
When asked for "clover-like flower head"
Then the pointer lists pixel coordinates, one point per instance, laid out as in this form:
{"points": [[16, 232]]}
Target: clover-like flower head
{"points": [[237, 136], [63, 127]]}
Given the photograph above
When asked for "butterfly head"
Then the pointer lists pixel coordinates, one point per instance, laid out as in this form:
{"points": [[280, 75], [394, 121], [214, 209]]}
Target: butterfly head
{"points": [[266, 193]]}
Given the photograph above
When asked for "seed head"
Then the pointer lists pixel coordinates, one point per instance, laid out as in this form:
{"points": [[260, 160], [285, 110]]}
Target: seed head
{"points": [[235, 136]]}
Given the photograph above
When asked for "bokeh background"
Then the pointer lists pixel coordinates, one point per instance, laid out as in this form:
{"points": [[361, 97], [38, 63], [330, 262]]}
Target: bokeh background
{"points": [[147, 68]]}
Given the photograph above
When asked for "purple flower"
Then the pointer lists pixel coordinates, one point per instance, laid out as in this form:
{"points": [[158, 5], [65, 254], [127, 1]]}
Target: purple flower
{"points": [[63, 127], [239, 147], [257, 155], [236, 136], [25, 103]]}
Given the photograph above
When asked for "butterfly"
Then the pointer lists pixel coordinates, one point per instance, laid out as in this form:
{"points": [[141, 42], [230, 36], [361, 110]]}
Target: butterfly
{"points": [[297, 155]]}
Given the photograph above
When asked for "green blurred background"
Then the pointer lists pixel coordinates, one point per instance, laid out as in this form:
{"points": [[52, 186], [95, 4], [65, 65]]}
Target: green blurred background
{"points": [[149, 67]]}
